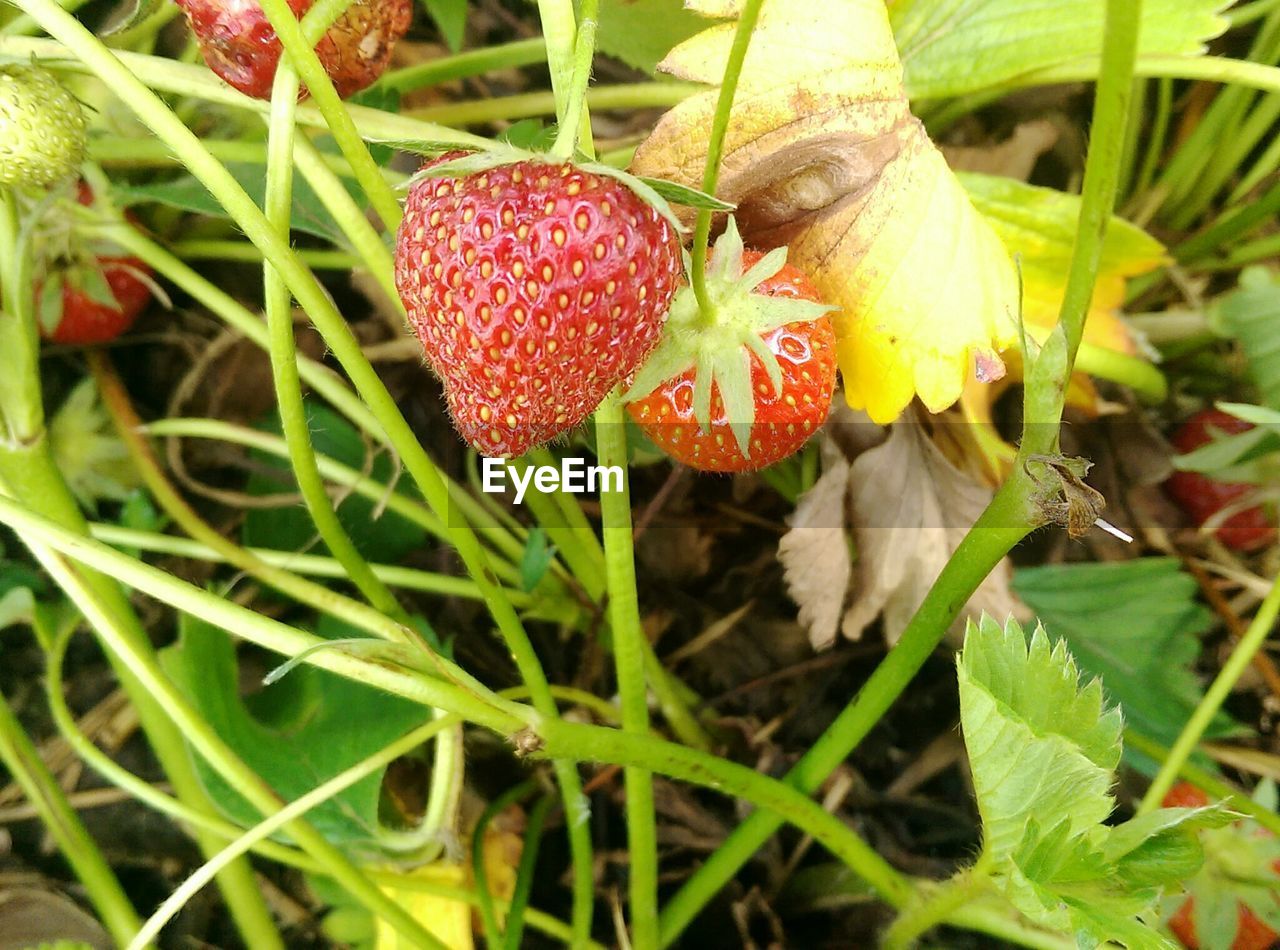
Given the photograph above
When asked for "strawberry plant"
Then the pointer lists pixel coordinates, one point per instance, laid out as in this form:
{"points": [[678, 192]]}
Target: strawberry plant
{"points": [[993, 375]]}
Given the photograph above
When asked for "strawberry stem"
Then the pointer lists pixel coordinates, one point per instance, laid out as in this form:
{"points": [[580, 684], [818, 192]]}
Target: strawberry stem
{"points": [[572, 124], [715, 153]]}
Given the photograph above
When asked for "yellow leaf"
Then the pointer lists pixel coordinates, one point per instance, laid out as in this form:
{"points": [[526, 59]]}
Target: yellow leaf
{"points": [[451, 921], [823, 154], [1039, 225]]}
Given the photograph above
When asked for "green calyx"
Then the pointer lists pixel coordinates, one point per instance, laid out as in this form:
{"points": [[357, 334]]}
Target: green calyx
{"points": [[655, 192], [718, 345]]}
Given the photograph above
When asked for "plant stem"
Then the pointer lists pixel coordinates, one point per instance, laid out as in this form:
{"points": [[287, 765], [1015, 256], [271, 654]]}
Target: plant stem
{"points": [[1002, 525], [313, 565], [282, 348], [640, 95], [294, 810], [596, 744], [21, 402], [571, 101], [41, 787], [299, 43], [128, 427], [28, 472], [628, 656], [1011, 514], [937, 904], [182, 79], [1207, 782], [243, 251], [715, 153], [1252, 641], [461, 65]]}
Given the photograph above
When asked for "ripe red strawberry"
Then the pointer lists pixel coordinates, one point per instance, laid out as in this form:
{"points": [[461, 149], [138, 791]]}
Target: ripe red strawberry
{"points": [[1202, 497], [240, 46], [535, 289], [784, 418], [1234, 855], [90, 297]]}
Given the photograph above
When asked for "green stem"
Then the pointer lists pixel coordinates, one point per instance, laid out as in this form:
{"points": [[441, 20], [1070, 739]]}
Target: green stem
{"points": [[224, 830], [21, 402], [597, 744], [1252, 641], [1132, 371], [937, 904], [351, 218], [461, 65], [572, 111], [641, 95], [181, 79], [526, 873], [312, 565], [128, 426], [1102, 169], [244, 252], [1011, 514], [282, 348], [488, 914], [41, 787], [629, 661], [1208, 782], [1004, 523], [294, 810], [715, 153], [28, 472], [299, 42], [553, 737]]}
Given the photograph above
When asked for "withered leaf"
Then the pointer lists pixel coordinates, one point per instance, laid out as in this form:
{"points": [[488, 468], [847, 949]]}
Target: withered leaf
{"points": [[823, 154]]}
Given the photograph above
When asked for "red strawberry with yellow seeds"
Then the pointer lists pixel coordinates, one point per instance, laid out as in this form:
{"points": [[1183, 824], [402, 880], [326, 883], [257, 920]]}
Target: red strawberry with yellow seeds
{"points": [[240, 46], [535, 287], [747, 389]]}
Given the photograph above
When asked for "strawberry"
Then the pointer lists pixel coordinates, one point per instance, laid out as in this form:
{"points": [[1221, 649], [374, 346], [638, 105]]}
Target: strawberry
{"points": [[535, 288], [767, 318], [89, 295], [42, 129], [1202, 497], [1241, 869], [240, 46]]}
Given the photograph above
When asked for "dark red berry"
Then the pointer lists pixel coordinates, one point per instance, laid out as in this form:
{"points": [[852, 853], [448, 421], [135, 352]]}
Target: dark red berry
{"points": [[1202, 497]]}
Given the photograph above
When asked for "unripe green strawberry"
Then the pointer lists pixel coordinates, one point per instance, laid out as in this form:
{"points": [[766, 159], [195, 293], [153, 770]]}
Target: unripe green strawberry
{"points": [[535, 288], [42, 129]]}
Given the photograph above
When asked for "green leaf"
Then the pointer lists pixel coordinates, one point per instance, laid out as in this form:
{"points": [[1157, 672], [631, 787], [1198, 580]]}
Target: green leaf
{"points": [[642, 32], [1134, 624], [296, 734], [1251, 313], [957, 47], [684, 195], [1041, 746], [538, 555], [450, 17], [379, 535], [187, 194]]}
